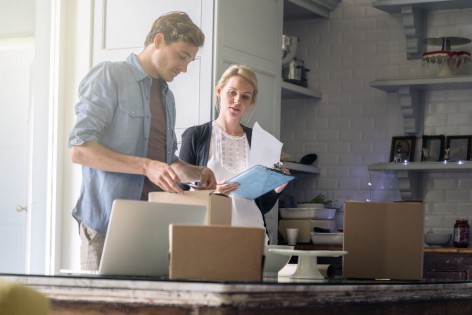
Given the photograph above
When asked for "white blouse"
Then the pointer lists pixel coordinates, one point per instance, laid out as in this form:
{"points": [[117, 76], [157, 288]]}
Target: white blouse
{"points": [[229, 156]]}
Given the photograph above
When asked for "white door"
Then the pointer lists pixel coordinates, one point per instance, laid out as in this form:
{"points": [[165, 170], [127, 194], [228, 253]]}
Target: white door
{"points": [[16, 56]]}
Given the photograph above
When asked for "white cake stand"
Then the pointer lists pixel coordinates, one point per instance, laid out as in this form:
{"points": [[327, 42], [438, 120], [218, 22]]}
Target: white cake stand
{"points": [[307, 267]]}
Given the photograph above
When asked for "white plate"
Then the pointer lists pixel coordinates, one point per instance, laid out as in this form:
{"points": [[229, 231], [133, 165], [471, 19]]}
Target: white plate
{"points": [[327, 238], [307, 213], [311, 253]]}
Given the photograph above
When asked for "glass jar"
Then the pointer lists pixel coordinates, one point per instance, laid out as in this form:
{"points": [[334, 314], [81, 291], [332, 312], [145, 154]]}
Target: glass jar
{"points": [[461, 233]]}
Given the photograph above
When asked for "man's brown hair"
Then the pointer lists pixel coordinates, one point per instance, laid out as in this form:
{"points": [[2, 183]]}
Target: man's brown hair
{"points": [[176, 26]]}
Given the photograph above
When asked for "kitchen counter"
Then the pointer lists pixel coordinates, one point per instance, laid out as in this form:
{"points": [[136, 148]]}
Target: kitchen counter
{"points": [[93, 295]]}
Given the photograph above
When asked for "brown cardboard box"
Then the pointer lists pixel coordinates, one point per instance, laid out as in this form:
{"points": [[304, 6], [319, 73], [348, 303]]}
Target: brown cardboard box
{"points": [[220, 253], [384, 240], [219, 206]]}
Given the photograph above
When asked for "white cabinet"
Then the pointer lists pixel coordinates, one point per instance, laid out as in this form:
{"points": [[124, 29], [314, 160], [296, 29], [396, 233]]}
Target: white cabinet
{"points": [[250, 32], [236, 32], [244, 32]]}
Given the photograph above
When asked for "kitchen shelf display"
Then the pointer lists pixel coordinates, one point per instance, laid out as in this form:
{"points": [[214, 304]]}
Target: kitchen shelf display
{"points": [[409, 174], [414, 18], [411, 89]]}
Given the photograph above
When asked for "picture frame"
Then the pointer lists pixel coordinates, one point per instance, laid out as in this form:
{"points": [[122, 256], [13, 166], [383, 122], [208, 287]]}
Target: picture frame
{"points": [[403, 149], [458, 148], [432, 148]]}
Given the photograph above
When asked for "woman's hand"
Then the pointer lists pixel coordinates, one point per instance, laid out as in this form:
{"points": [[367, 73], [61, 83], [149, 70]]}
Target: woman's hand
{"points": [[225, 188]]}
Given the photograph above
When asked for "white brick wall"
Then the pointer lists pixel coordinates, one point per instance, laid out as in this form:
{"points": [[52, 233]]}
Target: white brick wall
{"points": [[352, 126]]}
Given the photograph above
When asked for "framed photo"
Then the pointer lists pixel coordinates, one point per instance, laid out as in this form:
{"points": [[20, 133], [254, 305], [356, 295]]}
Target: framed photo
{"points": [[432, 148], [458, 148], [403, 149]]}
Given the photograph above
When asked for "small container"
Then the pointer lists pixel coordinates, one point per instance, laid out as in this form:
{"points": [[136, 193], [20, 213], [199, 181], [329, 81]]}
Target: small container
{"points": [[461, 233]]}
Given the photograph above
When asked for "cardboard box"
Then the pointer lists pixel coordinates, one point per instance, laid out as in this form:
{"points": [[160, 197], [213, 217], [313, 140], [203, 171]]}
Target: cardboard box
{"points": [[219, 207], [216, 253], [305, 227], [384, 240]]}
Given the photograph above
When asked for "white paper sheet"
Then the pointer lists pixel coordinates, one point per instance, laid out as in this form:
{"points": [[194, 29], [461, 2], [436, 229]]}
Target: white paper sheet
{"points": [[265, 148]]}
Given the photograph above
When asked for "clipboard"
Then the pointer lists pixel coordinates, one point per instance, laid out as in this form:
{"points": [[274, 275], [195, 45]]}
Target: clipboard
{"points": [[257, 181]]}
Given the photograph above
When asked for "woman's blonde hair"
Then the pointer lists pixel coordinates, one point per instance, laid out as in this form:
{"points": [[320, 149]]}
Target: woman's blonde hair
{"points": [[244, 72], [176, 26]]}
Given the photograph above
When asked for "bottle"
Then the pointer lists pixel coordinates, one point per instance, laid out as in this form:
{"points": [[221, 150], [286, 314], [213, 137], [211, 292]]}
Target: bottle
{"points": [[461, 233]]}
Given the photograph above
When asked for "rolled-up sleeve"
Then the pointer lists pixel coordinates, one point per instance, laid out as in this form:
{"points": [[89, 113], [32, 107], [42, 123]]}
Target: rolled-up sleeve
{"points": [[96, 106]]}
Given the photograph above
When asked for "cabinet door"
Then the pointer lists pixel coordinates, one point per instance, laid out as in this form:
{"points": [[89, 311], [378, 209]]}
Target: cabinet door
{"points": [[115, 37], [250, 32]]}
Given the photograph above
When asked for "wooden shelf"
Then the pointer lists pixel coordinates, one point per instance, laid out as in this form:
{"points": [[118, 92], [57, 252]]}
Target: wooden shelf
{"points": [[301, 167], [295, 91], [308, 9]]}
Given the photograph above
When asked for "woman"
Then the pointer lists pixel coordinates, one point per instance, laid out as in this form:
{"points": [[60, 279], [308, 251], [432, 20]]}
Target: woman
{"points": [[223, 144]]}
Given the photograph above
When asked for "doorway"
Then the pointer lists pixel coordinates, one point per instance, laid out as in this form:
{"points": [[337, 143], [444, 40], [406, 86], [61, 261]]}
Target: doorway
{"points": [[16, 58]]}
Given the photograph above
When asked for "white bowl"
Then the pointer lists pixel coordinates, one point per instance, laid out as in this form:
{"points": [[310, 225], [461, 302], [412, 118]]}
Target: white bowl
{"points": [[273, 262], [307, 213], [437, 239], [327, 238], [311, 205]]}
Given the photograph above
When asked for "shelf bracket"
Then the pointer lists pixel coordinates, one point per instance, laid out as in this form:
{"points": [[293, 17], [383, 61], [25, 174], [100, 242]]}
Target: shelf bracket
{"points": [[414, 24], [409, 185], [410, 102]]}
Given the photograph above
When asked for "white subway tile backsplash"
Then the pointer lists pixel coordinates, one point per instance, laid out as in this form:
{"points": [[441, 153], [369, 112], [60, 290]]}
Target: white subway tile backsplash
{"points": [[457, 195], [349, 159], [465, 183]]}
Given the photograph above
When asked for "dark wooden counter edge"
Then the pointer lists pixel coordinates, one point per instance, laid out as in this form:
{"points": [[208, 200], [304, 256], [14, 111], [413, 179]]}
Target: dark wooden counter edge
{"points": [[440, 250], [448, 250], [254, 295]]}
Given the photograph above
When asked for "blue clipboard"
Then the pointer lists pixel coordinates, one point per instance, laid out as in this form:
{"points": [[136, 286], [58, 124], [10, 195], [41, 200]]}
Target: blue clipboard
{"points": [[257, 181]]}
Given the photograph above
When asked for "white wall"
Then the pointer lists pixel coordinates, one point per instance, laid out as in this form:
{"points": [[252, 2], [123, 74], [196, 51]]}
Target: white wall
{"points": [[352, 126]]}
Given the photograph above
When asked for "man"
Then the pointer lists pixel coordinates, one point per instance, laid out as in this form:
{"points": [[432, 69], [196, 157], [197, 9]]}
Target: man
{"points": [[124, 135]]}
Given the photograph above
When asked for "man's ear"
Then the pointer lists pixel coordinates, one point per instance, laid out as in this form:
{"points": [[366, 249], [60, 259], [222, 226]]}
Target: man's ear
{"points": [[158, 40]]}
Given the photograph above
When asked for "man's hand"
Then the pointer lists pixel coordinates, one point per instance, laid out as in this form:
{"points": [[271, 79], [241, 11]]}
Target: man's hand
{"points": [[163, 176], [208, 180]]}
